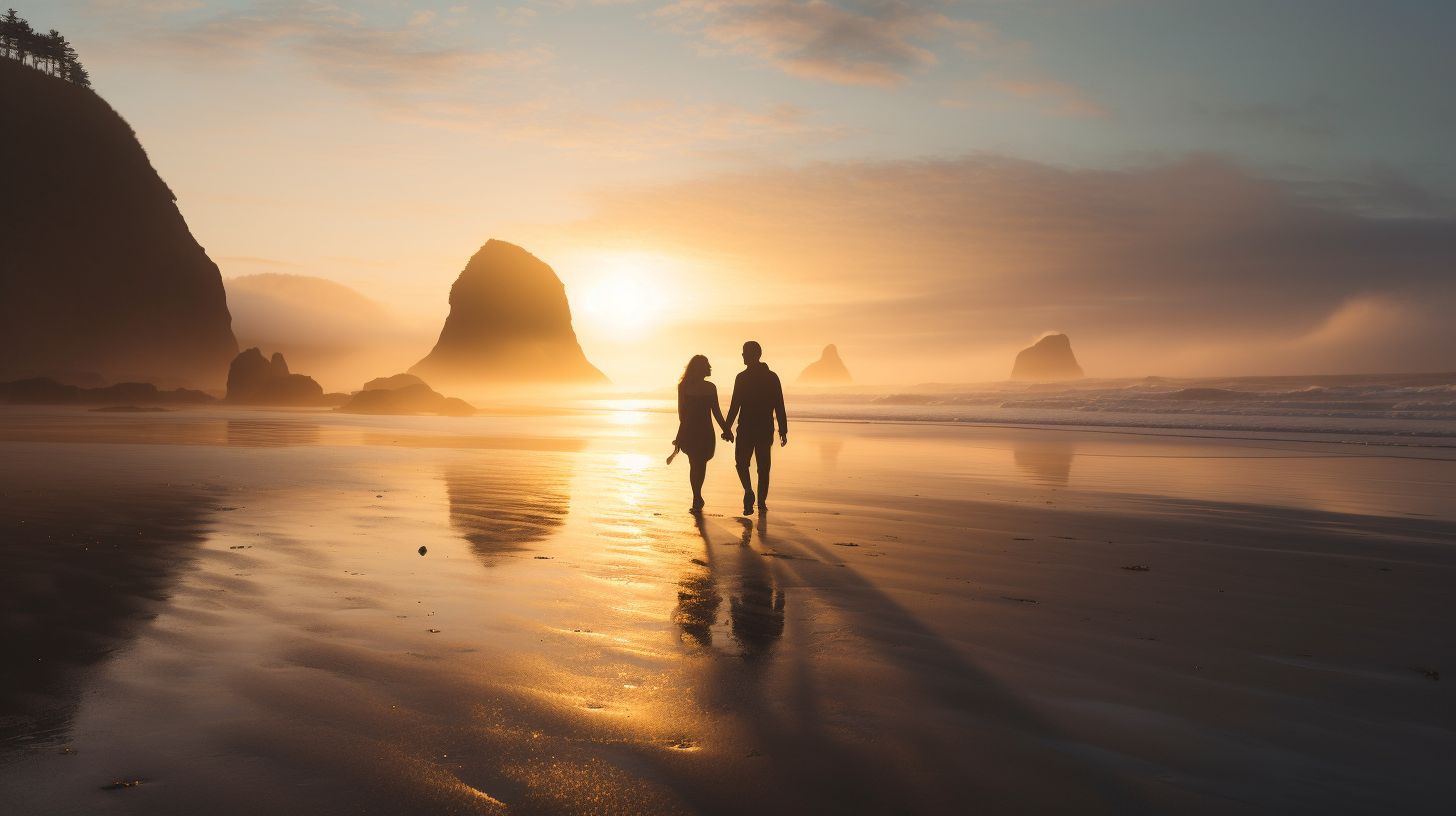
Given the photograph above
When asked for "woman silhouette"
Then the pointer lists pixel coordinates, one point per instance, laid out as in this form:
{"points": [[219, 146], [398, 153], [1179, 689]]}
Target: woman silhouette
{"points": [[697, 407]]}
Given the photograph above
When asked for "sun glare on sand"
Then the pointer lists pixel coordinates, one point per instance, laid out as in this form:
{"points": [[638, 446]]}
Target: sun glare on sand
{"points": [[624, 295]]}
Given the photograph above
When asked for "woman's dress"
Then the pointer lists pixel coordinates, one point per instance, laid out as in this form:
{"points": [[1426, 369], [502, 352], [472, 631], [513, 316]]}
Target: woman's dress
{"points": [[695, 423]]}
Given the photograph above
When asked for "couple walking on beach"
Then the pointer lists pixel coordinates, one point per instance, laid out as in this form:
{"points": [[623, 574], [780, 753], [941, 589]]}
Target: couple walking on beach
{"points": [[758, 399]]}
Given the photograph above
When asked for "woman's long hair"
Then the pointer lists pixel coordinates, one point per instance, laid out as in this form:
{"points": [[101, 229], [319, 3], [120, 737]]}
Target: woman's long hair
{"points": [[696, 369]]}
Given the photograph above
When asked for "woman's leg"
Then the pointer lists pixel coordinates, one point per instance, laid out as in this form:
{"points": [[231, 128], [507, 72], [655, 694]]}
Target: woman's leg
{"points": [[697, 471]]}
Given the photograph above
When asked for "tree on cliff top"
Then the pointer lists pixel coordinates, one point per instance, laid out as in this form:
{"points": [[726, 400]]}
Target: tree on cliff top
{"points": [[49, 52]]}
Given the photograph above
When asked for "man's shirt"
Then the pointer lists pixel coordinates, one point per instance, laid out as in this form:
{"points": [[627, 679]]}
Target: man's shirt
{"points": [[759, 395]]}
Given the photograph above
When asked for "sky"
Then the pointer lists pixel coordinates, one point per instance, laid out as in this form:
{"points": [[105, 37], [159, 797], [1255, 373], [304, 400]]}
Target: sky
{"points": [[1185, 188]]}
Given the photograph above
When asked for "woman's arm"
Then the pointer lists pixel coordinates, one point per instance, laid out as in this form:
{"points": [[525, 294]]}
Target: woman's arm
{"points": [[682, 412], [717, 411]]}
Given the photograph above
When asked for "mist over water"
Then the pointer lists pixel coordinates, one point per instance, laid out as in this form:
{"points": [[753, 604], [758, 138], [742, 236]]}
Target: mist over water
{"points": [[1413, 407]]}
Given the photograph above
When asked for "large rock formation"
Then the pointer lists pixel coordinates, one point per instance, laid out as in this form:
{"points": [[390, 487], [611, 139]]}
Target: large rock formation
{"points": [[98, 271], [1050, 358], [256, 380], [827, 370], [509, 322]]}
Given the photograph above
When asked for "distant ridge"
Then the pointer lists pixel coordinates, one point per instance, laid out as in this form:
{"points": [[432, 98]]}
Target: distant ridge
{"points": [[98, 271], [509, 322]]}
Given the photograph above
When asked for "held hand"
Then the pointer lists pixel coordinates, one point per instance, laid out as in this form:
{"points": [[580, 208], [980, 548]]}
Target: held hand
{"points": [[727, 436]]}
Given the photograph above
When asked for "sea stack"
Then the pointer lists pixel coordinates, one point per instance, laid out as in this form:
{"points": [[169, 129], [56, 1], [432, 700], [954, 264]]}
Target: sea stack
{"points": [[1050, 358], [509, 322], [827, 370], [256, 380], [100, 278]]}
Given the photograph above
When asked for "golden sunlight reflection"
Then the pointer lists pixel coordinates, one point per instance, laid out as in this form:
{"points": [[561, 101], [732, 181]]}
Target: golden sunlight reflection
{"points": [[628, 412], [632, 466]]}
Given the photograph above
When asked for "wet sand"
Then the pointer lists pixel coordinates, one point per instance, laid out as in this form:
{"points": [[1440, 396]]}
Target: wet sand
{"points": [[232, 609]]}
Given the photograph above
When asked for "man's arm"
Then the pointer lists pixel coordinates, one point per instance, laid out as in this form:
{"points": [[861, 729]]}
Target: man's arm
{"points": [[779, 412], [733, 408]]}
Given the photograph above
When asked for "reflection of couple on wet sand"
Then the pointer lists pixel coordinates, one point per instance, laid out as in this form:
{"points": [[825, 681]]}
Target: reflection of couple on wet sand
{"points": [[758, 399]]}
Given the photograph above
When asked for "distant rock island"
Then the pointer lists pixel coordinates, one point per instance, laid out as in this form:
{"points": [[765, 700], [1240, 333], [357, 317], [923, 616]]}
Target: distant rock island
{"points": [[827, 370], [45, 391], [1050, 358], [403, 394], [509, 322], [392, 383], [98, 271], [256, 380]]}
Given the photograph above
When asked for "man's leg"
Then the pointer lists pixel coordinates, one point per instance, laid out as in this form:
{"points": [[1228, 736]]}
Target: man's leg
{"points": [[763, 450], [742, 452]]}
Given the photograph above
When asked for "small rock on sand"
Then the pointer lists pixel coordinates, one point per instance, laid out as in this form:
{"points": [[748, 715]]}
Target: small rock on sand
{"points": [[122, 784], [423, 549]]}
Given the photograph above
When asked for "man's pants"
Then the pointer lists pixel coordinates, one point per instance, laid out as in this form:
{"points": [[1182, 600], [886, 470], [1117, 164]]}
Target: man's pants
{"points": [[748, 445]]}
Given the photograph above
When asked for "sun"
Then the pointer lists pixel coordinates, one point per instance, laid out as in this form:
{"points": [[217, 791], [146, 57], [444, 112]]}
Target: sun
{"points": [[625, 295]]}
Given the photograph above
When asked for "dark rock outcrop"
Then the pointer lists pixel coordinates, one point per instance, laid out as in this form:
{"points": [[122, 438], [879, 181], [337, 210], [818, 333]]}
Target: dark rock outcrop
{"points": [[391, 383], [98, 271], [414, 398], [827, 370], [1050, 358], [509, 322], [256, 380], [45, 391]]}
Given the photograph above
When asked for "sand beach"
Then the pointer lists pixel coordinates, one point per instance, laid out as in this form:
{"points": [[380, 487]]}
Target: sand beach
{"points": [[236, 611]]}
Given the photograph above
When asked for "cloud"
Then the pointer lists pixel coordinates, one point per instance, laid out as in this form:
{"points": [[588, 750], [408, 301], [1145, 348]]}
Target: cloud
{"points": [[1193, 267], [853, 42], [156, 7], [1317, 120], [1056, 98], [342, 48], [417, 72], [633, 129]]}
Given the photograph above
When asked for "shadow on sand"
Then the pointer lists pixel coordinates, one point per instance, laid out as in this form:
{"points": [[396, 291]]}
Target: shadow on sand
{"points": [[973, 745], [87, 564]]}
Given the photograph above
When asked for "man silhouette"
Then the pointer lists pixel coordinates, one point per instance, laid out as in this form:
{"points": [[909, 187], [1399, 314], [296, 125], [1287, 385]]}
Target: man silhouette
{"points": [[759, 396]]}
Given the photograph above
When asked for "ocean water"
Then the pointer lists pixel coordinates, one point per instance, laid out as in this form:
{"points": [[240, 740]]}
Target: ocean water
{"points": [[1400, 409]]}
